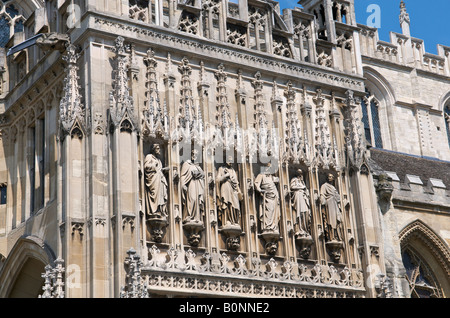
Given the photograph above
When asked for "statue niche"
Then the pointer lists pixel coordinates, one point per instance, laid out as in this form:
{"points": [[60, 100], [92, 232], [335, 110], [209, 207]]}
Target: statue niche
{"points": [[193, 198], [301, 206], [229, 197], [330, 208], [269, 209], [155, 194]]}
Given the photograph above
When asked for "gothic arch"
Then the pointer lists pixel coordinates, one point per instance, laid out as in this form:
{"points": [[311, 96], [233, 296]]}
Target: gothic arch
{"points": [[444, 101], [420, 238], [21, 272], [444, 106], [380, 82], [380, 87]]}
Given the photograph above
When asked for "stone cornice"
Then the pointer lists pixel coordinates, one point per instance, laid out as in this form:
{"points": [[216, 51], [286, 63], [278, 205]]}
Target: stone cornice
{"points": [[241, 57]]}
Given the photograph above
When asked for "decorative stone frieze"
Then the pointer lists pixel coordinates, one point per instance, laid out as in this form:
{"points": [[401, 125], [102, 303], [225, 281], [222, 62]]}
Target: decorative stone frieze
{"points": [[174, 274]]}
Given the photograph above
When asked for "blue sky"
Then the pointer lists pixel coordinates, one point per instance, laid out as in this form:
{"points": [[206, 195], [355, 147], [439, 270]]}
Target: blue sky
{"points": [[429, 19]]}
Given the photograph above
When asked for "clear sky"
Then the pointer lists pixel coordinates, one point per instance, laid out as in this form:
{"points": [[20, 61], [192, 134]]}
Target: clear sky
{"points": [[430, 20]]}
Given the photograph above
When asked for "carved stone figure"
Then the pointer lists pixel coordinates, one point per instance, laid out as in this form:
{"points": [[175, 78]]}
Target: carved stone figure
{"points": [[229, 194], [193, 190], [269, 209], [53, 41], [301, 205], [330, 205], [155, 185]]}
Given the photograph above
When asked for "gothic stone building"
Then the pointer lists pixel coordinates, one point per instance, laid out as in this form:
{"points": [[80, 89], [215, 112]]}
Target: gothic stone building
{"points": [[220, 148]]}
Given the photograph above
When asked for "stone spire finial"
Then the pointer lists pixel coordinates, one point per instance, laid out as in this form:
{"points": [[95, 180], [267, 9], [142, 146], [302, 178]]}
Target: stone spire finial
{"points": [[404, 19]]}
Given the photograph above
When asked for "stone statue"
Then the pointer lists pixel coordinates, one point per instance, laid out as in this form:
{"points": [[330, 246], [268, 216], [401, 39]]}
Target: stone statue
{"points": [[193, 190], [269, 208], [301, 205], [155, 185], [330, 205], [53, 41], [229, 194]]}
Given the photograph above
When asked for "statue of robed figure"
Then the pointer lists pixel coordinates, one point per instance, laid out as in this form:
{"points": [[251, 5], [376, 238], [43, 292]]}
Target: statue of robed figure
{"points": [[155, 185], [155, 194], [330, 201], [193, 190], [301, 205], [269, 208], [229, 195]]}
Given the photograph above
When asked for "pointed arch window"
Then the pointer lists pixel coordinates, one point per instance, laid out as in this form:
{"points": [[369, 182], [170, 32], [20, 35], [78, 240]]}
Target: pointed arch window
{"points": [[447, 122], [371, 119], [421, 279], [11, 21]]}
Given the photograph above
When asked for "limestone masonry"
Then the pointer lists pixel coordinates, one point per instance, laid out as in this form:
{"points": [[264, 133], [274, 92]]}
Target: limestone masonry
{"points": [[220, 148]]}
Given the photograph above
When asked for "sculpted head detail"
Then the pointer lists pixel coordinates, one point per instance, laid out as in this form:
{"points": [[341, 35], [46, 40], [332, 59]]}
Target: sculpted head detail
{"points": [[156, 149], [194, 155], [330, 178]]}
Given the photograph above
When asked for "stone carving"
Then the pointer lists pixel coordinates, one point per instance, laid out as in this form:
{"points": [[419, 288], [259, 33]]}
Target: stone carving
{"points": [[155, 193], [237, 35], [269, 214], [155, 118], [324, 150], [135, 284], [155, 184], [53, 41], [301, 206], [139, 10], [332, 216], [229, 199], [212, 267], [229, 193], [281, 47], [300, 70], [354, 136], [404, 15], [190, 119], [71, 109], [121, 106], [269, 208], [53, 280], [384, 190], [193, 192], [188, 23]]}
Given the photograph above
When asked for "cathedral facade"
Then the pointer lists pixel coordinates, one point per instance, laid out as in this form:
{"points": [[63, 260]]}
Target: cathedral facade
{"points": [[219, 148]]}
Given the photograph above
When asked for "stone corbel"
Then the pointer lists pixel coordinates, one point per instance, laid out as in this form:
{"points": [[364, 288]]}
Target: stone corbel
{"points": [[335, 249], [77, 226], [193, 232], [157, 228], [232, 235], [270, 242], [304, 244], [384, 191], [128, 219]]}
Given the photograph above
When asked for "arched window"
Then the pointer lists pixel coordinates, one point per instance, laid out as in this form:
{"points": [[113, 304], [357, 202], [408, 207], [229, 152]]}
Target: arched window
{"points": [[421, 279], [447, 122], [371, 120], [11, 21]]}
